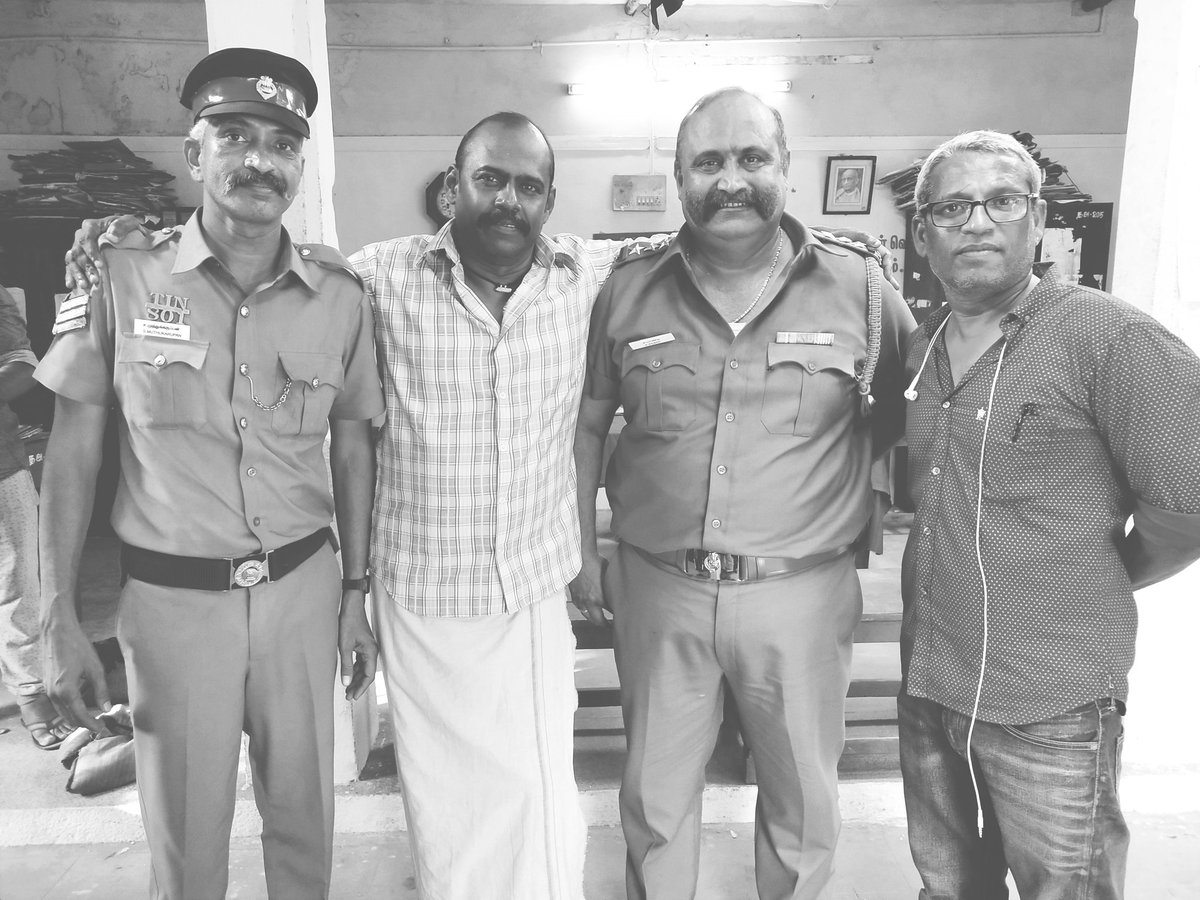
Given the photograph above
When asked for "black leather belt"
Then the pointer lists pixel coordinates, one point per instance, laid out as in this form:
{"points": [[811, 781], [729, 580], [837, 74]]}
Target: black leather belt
{"points": [[712, 565], [226, 574]]}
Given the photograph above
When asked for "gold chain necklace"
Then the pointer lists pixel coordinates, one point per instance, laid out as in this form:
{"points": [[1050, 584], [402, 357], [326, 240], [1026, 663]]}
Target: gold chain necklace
{"points": [[762, 290]]}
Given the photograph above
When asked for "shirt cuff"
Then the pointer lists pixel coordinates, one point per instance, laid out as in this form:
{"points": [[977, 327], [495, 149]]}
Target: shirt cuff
{"points": [[1165, 528], [19, 356]]}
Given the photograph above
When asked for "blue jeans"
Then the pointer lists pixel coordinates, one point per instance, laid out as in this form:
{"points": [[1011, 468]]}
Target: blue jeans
{"points": [[1051, 813]]}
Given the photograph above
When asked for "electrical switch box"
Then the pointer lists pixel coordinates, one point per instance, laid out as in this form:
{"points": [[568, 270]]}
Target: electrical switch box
{"points": [[639, 192]]}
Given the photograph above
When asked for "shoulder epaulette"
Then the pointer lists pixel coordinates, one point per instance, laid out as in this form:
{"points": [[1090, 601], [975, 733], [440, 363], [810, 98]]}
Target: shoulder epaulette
{"points": [[328, 258], [141, 239], [643, 247], [846, 243], [73, 313]]}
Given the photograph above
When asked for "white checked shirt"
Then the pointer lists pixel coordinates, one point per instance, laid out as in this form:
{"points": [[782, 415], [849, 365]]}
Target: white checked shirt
{"points": [[475, 507]]}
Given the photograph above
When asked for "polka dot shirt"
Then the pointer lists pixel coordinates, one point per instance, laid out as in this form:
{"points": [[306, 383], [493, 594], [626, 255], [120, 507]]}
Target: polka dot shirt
{"points": [[1096, 417]]}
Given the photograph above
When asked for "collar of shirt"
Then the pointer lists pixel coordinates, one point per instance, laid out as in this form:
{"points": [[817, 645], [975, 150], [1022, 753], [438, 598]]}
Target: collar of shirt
{"points": [[1038, 297], [547, 252], [801, 237], [194, 249]]}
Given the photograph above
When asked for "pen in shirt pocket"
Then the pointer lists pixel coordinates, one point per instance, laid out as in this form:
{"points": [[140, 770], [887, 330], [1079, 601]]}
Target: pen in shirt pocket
{"points": [[1027, 411]]}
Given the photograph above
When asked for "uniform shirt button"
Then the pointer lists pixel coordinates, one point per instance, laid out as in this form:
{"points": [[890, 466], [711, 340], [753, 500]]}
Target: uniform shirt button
{"points": [[935, 471], [304, 251], [812, 367], [244, 311], [257, 520], [252, 471], [729, 417], [925, 529], [243, 421], [656, 364], [716, 523], [244, 369], [733, 364], [945, 404], [316, 382], [721, 470], [160, 361]]}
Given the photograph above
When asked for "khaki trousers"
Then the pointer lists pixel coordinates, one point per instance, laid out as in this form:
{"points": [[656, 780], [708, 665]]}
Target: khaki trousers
{"points": [[203, 667], [783, 647], [483, 712]]}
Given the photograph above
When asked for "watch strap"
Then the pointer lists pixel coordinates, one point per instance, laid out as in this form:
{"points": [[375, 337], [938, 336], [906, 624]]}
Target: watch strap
{"points": [[357, 584]]}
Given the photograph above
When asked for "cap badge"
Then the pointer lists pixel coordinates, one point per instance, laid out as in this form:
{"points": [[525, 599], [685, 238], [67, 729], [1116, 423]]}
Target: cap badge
{"points": [[266, 87]]}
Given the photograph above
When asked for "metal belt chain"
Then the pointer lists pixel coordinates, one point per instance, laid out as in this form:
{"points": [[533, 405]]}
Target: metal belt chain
{"points": [[287, 389]]}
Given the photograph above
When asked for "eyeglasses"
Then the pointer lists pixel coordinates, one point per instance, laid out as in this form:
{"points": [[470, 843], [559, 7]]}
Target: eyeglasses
{"points": [[1002, 209]]}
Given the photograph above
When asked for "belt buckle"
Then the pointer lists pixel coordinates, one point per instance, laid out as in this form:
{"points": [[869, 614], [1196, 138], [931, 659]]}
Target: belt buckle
{"points": [[712, 565], [251, 572]]}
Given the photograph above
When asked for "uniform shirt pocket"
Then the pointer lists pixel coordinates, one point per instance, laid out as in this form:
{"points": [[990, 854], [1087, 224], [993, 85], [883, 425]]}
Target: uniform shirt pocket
{"points": [[160, 382], [808, 387], [658, 385], [316, 380]]}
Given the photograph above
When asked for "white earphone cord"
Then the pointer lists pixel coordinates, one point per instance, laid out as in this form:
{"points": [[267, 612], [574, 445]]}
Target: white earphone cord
{"points": [[911, 394], [987, 421]]}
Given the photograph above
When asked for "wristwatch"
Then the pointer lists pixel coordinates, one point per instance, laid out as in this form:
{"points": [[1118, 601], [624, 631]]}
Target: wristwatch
{"points": [[357, 584]]}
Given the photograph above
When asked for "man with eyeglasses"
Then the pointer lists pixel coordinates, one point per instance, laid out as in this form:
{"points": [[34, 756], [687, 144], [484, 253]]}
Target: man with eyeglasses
{"points": [[1042, 416]]}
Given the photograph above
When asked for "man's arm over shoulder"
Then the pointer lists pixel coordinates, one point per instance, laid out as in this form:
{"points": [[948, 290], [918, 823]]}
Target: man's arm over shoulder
{"points": [[1147, 406]]}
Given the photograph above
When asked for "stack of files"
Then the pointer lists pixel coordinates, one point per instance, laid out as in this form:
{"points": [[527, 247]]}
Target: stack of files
{"points": [[88, 178]]}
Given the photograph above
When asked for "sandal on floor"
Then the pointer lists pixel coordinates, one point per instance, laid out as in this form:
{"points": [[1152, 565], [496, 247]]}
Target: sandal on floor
{"points": [[45, 726]]}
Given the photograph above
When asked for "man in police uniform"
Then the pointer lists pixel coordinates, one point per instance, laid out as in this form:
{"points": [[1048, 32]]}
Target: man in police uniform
{"points": [[743, 352], [227, 352]]}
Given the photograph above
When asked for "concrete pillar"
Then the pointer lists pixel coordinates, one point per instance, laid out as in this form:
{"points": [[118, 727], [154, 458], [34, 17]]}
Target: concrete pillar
{"points": [[1155, 268], [297, 28]]}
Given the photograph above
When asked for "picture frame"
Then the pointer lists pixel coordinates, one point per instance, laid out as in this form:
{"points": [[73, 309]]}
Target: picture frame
{"points": [[849, 185]]}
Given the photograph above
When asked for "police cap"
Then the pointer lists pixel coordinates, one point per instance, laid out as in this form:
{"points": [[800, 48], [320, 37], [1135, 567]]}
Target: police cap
{"points": [[254, 82]]}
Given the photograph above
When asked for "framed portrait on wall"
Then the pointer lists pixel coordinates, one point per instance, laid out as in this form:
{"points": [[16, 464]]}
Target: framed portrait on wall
{"points": [[849, 185]]}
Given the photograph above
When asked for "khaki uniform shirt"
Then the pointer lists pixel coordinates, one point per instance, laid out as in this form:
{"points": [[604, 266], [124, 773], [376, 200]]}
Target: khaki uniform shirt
{"points": [[751, 444], [224, 399]]}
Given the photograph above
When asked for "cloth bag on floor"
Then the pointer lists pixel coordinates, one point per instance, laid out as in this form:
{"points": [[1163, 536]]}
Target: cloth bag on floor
{"points": [[102, 761]]}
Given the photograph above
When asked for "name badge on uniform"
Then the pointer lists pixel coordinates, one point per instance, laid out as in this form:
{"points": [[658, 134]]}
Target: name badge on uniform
{"points": [[166, 317], [652, 341], [72, 314], [171, 331], [824, 338]]}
